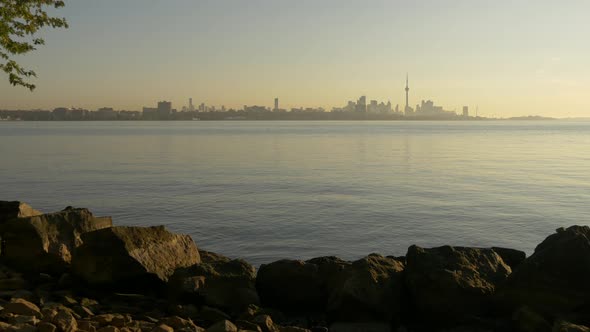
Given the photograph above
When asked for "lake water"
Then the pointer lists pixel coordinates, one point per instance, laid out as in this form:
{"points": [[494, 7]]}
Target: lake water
{"points": [[269, 190]]}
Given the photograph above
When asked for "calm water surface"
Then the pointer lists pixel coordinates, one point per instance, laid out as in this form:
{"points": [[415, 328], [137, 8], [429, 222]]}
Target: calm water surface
{"points": [[269, 190]]}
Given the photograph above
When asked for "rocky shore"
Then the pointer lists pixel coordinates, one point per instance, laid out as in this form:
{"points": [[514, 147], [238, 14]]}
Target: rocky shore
{"points": [[72, 271]]}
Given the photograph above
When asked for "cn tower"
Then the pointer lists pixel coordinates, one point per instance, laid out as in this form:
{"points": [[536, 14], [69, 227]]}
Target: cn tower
{"points": [[407, 109]]}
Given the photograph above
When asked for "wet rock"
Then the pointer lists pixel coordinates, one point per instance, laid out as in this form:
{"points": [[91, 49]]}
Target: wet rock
{"points": [[22, 307], [453, 285], [45, 242], [370, 289], [133, 256], [554, 280]]}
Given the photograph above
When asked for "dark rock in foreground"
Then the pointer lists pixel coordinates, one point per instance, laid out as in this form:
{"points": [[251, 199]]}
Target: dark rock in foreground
{"points": [[450, 285], [132, 255], [555, 280], [511, 257], [365, 290], [71, 271], [15, 209], [299, 286], [218, 281], [370, 289], [45, 242]]}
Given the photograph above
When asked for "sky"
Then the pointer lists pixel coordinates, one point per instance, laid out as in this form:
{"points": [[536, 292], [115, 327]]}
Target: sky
{"points": [[507, 58]]}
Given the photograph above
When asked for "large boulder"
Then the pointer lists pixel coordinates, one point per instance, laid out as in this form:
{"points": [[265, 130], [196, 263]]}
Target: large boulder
{"points": [[299, 286], [511, 257], [132, 256], [554, 280], [453, 285], [370, 289], [45, 242], [14, 209], [218, 281]]}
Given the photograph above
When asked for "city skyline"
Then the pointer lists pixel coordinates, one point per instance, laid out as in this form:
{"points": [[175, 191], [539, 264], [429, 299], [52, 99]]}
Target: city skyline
{"points": [[521, 61]]}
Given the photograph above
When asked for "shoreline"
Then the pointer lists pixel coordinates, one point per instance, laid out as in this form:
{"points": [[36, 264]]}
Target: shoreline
{"points": [[72, 271]]}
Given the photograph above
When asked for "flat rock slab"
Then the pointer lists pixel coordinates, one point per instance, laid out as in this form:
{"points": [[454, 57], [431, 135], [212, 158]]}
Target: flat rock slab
{"points": [[133, 254]]}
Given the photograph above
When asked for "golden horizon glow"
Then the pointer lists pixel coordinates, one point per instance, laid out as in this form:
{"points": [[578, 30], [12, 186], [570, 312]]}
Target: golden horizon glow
{"points": [[509, 59]]}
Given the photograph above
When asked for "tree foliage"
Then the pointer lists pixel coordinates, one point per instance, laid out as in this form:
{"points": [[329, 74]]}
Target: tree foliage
{"points": [[20, 20]]}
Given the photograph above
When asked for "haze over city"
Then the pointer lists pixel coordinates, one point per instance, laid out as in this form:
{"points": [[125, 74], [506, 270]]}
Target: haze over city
{"points": [[509, 58]]}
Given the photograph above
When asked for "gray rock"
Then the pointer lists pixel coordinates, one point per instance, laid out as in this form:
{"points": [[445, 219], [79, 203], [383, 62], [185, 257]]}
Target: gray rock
{"points": [[131, 255], [46, 242]]}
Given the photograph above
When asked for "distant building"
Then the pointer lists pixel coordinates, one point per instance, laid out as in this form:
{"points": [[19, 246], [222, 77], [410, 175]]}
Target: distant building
{"points": [[255, 109], [150, 113], [191, 107], [466, 111], [276, 105], [427, 108], [105, 113], [164, 110], [60, 113], [361, 104]]}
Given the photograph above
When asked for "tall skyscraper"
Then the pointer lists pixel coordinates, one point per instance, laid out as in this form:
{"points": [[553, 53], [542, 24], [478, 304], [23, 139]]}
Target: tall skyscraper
{"points": [[191, 107], [276, 104], [361, 104]]}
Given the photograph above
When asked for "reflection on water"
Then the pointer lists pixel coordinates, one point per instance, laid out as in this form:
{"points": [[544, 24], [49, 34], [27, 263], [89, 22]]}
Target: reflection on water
{"points": [[269, 190]]}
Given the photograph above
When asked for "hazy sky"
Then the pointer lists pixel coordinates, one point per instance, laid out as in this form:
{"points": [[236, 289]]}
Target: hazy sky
{"points": [[509, 57]]}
